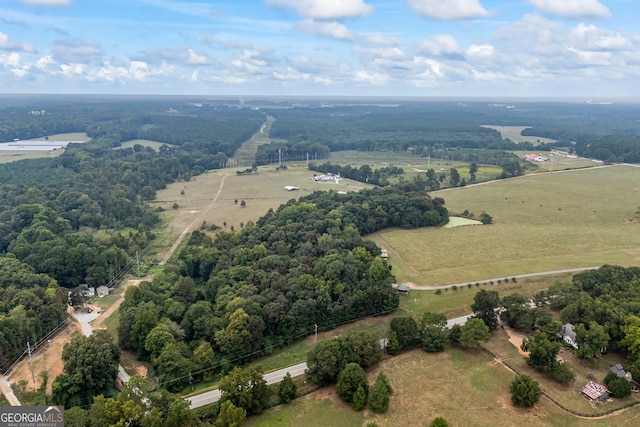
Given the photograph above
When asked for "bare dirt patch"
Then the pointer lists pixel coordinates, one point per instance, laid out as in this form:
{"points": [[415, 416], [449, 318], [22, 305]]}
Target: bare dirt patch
{"points": [[631, 221], [47, 359], [516, 338]]}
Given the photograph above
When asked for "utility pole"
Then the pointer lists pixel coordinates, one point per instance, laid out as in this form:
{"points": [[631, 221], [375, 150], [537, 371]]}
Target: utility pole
{"points": [[33, 377]]}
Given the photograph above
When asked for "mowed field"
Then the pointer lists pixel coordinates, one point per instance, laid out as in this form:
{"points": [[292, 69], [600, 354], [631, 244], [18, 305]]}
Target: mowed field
{"points": [[542, 222], [15, 155], [514, 133], [261, 192], [467, 388]]}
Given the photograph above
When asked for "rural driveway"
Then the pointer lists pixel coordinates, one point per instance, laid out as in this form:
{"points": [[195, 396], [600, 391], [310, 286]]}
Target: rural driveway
{"points": [[85, 319], [7, 391], [519, 276]]}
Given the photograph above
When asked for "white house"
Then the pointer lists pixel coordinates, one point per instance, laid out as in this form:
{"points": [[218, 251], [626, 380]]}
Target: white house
{"points": [[103, 291], [568, 335]]}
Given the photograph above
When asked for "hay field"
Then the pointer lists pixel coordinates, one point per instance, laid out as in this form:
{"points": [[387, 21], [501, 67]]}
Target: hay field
{"points": [[261, 192], [514, 133], [542, 222], [467, 388]]}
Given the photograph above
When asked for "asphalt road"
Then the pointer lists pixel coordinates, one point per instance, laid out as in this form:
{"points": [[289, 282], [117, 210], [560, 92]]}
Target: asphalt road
{"points": [[213, 396]]}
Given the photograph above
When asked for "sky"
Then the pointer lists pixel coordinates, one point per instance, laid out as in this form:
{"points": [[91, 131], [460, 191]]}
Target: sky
{"points": [[471, 48]]}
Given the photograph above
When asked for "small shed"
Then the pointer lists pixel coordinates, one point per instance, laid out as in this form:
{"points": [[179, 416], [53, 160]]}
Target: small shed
{"points": [[618, 369], [384, 254], [595, 391], [403, 289], [103, 291]]}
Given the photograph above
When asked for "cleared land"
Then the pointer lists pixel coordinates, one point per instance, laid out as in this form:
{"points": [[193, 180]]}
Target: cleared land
{"points": [[542, 222], [514, 133], [467, 388], [261, 192], [15, 155], [144, 142]]}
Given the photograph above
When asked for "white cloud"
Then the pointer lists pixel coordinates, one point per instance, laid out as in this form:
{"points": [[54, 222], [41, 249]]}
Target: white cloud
{"points": [[196, 59], [480, 52], [327, 29], [444, 45], [72, 70], [325, 9], [6, 44], [375, 79], [575, 9], [590, 37], [379, 39], [48, 2], [449, 10], [76, 51]]}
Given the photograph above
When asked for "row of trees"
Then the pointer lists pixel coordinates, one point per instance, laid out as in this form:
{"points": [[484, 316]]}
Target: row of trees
{"points": [[364, 173]]}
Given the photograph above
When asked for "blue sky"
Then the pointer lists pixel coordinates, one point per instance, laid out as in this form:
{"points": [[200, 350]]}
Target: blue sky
{"points": [[506, 48]]}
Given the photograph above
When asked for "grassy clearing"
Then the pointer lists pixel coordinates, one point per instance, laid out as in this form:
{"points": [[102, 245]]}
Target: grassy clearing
{"points": [[15, 155], [144, 142], [541, 223], [514, 133], [458, 303], [467, 388], [246, 155], [111, 324], [261, 192], [455, 221]]}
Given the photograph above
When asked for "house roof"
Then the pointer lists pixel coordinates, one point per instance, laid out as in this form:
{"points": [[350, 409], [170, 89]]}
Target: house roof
{"points": [[102, 288], [594, 390]]}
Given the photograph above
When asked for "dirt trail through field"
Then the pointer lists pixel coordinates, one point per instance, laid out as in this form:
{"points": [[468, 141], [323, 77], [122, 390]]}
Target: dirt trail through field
{"points": [[194, 224]]}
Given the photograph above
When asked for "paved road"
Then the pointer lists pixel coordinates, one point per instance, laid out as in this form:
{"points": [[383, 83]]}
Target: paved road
{"points": [[213, 396], [271, 378], [519, 276]]}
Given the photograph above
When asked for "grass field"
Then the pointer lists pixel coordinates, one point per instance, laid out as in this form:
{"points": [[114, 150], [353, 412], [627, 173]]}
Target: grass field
{"points": [[542, 222], [261, 192], [15, 155], [144, 142], [467, 388], [514, 133]]}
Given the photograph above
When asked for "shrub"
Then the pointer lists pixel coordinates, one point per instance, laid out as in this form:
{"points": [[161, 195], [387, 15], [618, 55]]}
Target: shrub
{"points": [[350, 380], [562, 373], [619, 387]]}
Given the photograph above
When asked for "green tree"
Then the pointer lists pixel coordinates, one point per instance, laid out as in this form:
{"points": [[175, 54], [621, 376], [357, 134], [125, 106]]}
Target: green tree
{"points": [[454, 334], [524, 391], [631, 340], [324, 362], [543, 353], [393, 345], [591, 342], [230, 415], [235, 340], [157, 339], [433, 331], [406, 328], [90, 368], [432, 180], [439, 422], [618, 386], [350, 378], [473, 169], [245, 388], [379, 395], [517, 312], [204, 360], [454, 177], [359, 399], [484, 307], [366, 346], [287, 389], [474, 331]]}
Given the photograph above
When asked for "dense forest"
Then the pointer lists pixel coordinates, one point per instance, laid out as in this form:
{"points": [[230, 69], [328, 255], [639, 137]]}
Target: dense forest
{"points": [[245, 293]]}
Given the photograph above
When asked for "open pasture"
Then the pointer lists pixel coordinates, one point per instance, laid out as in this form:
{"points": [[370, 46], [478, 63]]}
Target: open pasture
{"points": [[514, 133], [261, 192], [467, 388], [7, 156], [542, 222]]}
